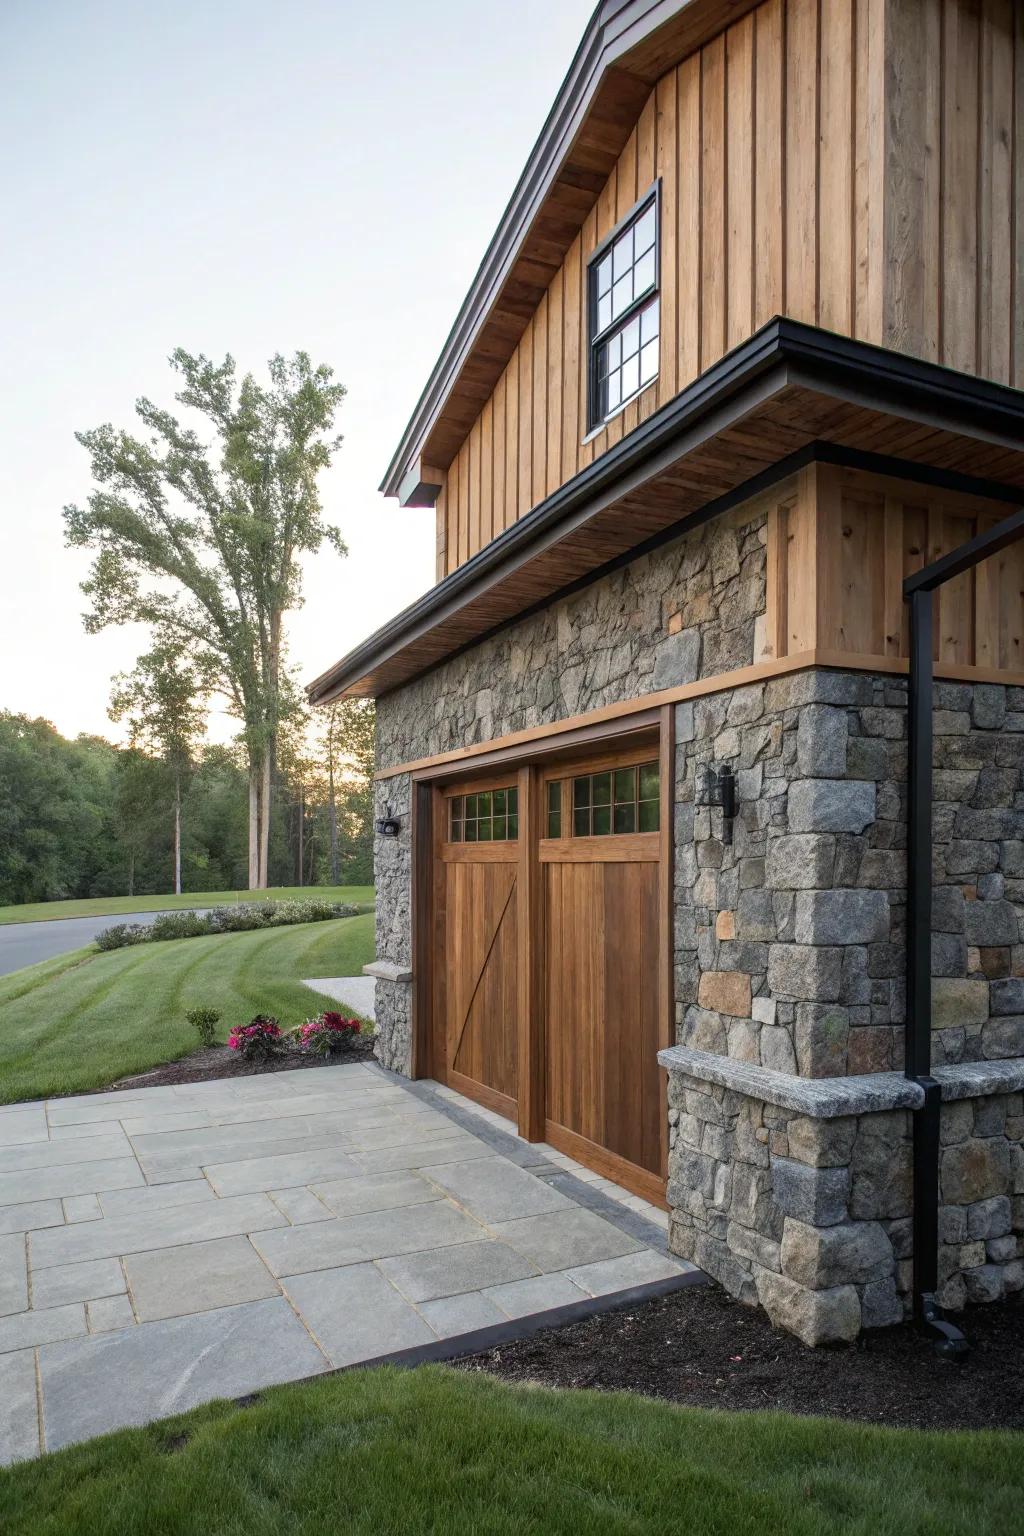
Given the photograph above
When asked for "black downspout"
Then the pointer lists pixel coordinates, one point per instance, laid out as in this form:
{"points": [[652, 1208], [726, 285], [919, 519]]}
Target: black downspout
{"points": [[928, 1314]]}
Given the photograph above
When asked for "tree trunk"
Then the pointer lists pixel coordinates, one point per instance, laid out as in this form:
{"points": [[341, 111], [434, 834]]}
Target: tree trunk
{"points": [[264, 850], [254, 824], [332, 804], [177, 834], [131, 873], [302, 818]]}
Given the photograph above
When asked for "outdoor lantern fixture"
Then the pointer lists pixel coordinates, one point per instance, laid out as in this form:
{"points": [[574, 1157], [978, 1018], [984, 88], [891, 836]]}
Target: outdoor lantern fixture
{"points": [[388, 825], [717, 787]]}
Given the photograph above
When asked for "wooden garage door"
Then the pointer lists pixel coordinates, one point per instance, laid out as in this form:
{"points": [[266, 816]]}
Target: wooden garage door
{"points": [[601, 859], [476, 1013]]}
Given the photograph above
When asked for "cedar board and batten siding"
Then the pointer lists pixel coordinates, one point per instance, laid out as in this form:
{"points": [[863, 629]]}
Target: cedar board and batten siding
{"points": [[839, 544], [855, 164]]}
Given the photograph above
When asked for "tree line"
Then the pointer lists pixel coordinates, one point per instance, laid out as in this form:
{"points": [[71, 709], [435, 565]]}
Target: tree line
{"points": [[86, 817]]}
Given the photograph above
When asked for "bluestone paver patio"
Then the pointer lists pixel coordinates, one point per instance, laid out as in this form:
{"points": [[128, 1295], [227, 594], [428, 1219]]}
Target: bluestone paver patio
{"points": [[163, 1246]]}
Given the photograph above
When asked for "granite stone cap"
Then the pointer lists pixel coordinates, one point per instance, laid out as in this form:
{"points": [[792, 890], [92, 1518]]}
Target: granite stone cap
{"points": [[386, 970], [977, 1079], [827, 1098], [822, 1098]]}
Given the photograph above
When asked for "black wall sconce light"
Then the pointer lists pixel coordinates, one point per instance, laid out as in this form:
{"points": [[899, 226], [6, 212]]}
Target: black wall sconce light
{"points": [[388, 825], [717, 787]]}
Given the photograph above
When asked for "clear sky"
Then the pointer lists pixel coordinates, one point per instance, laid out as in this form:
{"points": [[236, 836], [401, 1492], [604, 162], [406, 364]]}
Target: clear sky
{"points": [[243, 176]]}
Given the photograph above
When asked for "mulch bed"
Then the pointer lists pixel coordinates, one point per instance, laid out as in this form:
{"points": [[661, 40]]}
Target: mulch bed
{"points": [[702, 1348], [218, 1061]]}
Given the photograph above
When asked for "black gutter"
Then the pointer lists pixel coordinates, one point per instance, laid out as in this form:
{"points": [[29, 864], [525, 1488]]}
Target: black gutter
{"points": [[783, 352], [918, 591]]}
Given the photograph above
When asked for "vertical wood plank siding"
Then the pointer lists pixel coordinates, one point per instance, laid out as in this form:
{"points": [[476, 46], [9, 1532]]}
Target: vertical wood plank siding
{"points": [[856, 164], [841, 541]]}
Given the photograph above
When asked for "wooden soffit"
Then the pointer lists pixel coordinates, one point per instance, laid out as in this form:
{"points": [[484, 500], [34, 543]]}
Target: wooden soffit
{"points": [[627, 47], [790, 394]]}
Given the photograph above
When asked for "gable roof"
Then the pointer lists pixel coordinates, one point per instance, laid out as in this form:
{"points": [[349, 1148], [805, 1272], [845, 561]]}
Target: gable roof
{"points": [[627, 47]]}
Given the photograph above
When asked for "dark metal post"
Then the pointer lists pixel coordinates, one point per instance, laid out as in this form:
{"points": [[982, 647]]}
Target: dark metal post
{"points": [[918, 1059], [919, 839]]}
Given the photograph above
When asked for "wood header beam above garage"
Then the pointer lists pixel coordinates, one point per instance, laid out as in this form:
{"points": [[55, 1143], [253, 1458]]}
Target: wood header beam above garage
{"points": [[790, 395], [628, 45]]}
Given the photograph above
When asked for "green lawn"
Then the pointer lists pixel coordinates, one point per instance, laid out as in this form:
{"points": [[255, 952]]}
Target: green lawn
{"points": [[115, 906], [434, 1450], [86, 1019]]}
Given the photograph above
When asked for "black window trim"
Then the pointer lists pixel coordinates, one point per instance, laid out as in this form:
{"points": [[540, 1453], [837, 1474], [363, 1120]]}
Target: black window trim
{"points": [[594, 337]]}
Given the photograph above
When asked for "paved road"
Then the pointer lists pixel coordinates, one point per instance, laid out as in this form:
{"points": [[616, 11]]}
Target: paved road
{"points": [[25, 943]]}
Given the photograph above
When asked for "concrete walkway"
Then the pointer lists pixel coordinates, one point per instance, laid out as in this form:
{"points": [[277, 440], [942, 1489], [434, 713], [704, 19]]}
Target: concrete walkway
{"points": [[354, 992], [163, 1246]]}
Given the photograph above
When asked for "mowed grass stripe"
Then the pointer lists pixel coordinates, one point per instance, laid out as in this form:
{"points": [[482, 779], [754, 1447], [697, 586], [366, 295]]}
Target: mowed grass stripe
{"points": [[75, 1026]]}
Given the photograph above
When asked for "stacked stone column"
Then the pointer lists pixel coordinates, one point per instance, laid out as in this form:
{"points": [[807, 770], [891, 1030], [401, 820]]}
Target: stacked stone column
{"points": [[790, 1169]]}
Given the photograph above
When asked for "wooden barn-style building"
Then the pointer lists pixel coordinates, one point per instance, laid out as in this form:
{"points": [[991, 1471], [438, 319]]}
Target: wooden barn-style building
{"points": [[745, 354]]}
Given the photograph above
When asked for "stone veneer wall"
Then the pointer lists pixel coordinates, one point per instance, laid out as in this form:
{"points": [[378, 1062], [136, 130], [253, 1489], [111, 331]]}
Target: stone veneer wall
{"points": [[810, 1213]]}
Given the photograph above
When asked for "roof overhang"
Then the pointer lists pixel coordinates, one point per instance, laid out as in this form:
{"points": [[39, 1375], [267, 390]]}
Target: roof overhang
{"points": [[790, 393], [627, 47]]}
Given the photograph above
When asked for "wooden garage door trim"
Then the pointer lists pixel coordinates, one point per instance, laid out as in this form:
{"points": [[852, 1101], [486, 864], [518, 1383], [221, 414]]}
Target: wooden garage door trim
{"points": [[428, 851]]}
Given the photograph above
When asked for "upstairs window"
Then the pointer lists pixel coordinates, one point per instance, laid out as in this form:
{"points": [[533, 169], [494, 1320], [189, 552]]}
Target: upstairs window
{"points": [[623, 312]]}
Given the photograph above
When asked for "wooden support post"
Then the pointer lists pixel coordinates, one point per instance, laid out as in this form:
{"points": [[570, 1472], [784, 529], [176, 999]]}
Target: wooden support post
{"points": [[666, 900], [531, 1042]]}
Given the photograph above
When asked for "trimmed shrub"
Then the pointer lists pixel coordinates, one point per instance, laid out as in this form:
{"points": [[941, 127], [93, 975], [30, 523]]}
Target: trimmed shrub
{"points": [[120, 935], [204, 1021], [197, 925], [177, 925]]}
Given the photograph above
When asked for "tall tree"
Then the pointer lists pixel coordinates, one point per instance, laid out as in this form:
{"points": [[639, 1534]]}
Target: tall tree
{"points": [[202, 541], [140, 787], [164, 703], [349, 749]]}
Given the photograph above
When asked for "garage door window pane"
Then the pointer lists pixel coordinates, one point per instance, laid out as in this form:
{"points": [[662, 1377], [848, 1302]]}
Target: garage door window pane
{"points": [[489, 816], [620, 801], [625, 786], [602, 820], [555, 809]]}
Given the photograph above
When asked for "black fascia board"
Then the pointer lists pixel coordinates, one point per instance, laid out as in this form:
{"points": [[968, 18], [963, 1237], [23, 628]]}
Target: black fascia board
{"points": [[782, 352]]}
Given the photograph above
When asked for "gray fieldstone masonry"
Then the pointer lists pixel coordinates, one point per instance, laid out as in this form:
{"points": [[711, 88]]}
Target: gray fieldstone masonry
{"points": [[789, 940], [798, 1195]]}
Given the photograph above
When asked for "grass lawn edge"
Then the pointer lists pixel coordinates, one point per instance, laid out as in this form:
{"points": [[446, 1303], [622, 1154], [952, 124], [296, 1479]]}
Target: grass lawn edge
{"points": [[392, 1449]]}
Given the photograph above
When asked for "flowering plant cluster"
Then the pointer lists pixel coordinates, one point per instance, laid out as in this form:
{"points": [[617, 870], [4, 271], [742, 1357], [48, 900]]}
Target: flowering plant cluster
{"points": [[258, 1040], [328, 1034]]}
